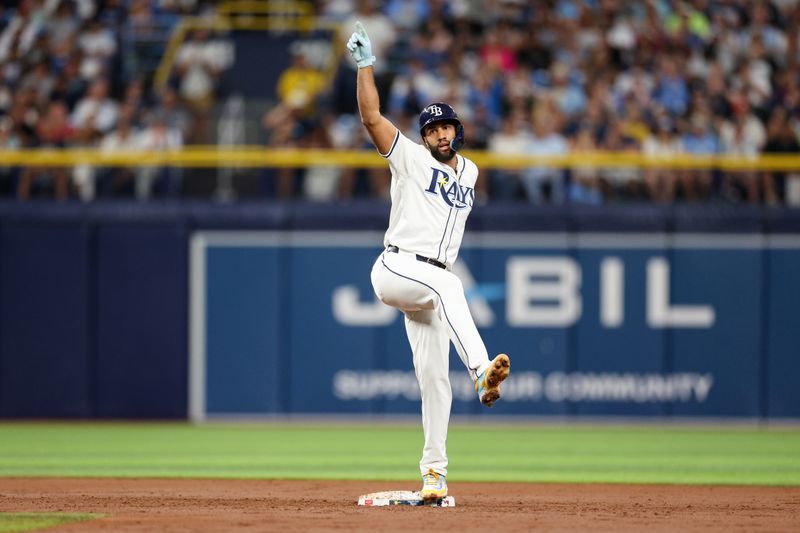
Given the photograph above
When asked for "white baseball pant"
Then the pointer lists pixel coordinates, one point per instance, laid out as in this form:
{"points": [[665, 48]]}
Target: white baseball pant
{"points": [[436, 313]]}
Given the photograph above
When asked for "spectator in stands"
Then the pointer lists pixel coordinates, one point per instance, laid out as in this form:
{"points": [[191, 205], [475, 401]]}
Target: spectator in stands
{"points": [[716, 92], [511, 140], [343, 131], [621, 38], [698, 139], [414, 88], [635, 84], [632, 124], [283, 131], [438, 40], [485, 90], [568, 93], [623, 182], [6, 94], [763, 31], [320, 183], [479, 129], [300, 85], [688, 24], [660, 182], [98, 46], [85, 176], [755, 74], [595, 119], [585, 186], [96, 113], [63, 28], [157, 136], [735, 141], [517, 90], [39, 51], [498, 53], [199, 63], [175, 114], [40, 80], [69, 85], [457, 93], [24, 114], [545, 184], [335, 10], [141, 17], [729, 46], [53, 130], [185, 7], [781, 139], [671, 90], [743, 136], [18, 36], [8, 141], [120, 181], [134, 96], [86, 9], [408, 15], [786, 93]]}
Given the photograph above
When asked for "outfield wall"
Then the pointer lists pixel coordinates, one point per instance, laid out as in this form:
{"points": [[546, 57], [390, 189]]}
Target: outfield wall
{"points": [[168, 311]]}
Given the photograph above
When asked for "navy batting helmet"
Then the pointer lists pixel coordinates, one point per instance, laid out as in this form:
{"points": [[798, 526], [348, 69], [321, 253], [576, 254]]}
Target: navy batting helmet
{"points": [[441, 112]]}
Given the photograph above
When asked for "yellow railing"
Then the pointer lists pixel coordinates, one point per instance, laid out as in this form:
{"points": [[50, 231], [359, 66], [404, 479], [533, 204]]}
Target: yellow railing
{"points": [[258, 157]]}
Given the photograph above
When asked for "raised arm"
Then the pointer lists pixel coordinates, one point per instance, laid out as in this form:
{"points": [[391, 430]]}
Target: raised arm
{"points": [[381, 130]]}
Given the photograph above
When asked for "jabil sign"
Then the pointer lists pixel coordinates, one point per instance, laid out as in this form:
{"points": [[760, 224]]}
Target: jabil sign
{"points": [[546, 291]]}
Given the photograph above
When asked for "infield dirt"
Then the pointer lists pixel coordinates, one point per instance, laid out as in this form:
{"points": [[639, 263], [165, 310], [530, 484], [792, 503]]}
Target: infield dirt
{"points": [[191, 505]]}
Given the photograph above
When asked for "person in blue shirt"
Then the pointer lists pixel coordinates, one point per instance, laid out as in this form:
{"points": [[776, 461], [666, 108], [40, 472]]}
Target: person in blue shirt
{"points": [[699, 140]]}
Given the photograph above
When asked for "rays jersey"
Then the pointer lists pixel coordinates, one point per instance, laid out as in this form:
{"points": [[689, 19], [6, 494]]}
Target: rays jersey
{"points": [[430, 201]]}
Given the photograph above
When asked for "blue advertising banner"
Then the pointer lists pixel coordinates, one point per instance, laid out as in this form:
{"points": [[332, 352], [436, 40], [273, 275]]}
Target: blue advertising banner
{"points": [[595, 324]]}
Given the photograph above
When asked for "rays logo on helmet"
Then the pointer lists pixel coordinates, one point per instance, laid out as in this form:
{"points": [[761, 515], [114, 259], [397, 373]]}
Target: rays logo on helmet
{"points": [[434, 109]]}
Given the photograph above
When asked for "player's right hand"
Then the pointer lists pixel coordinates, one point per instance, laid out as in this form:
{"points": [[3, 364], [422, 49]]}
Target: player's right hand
{"points": [[360, 47]]}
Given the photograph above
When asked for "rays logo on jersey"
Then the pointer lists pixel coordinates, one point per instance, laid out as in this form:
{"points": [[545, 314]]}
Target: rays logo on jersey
{"points": [[453, 194]]}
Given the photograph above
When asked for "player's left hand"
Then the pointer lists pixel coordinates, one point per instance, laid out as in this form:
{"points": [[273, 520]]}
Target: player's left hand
{"points": [[360, 47]]}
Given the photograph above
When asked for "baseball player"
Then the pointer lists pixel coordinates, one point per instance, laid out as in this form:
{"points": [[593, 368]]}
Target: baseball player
{"points": [[432, 193]]}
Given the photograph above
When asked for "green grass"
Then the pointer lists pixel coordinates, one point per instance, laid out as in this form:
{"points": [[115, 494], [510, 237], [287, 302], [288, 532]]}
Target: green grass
{"points": [[479, 452], [17, 522]]}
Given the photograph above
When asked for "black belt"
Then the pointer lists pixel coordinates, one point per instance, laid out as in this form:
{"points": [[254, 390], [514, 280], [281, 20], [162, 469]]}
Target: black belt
{"points": [[394, 249]]}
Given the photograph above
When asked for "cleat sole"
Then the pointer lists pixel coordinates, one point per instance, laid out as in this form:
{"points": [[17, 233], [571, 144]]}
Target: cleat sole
{"points": [[496, 374]]}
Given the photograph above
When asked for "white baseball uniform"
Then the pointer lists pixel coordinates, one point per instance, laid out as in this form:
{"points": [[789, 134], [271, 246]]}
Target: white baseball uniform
{"points": [[430, 205]]}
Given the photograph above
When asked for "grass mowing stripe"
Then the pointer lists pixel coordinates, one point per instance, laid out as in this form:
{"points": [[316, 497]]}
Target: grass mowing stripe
{"points": [[19, 522], [635, 454]]}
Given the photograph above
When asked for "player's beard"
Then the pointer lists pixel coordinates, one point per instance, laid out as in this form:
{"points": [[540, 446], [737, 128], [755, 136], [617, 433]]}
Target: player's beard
{"points": [[439, 156]]}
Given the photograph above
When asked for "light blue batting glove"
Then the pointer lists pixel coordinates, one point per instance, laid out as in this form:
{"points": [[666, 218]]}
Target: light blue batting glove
{"points": [[360, 47]]}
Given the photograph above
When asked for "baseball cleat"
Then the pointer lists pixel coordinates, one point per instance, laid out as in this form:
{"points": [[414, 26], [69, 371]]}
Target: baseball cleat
{"points": [[488, 384], [434, 486]]}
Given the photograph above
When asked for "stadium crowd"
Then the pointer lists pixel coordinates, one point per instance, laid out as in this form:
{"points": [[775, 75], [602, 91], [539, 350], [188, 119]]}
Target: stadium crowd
{"points": [[659, 77], [66, 81]]}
